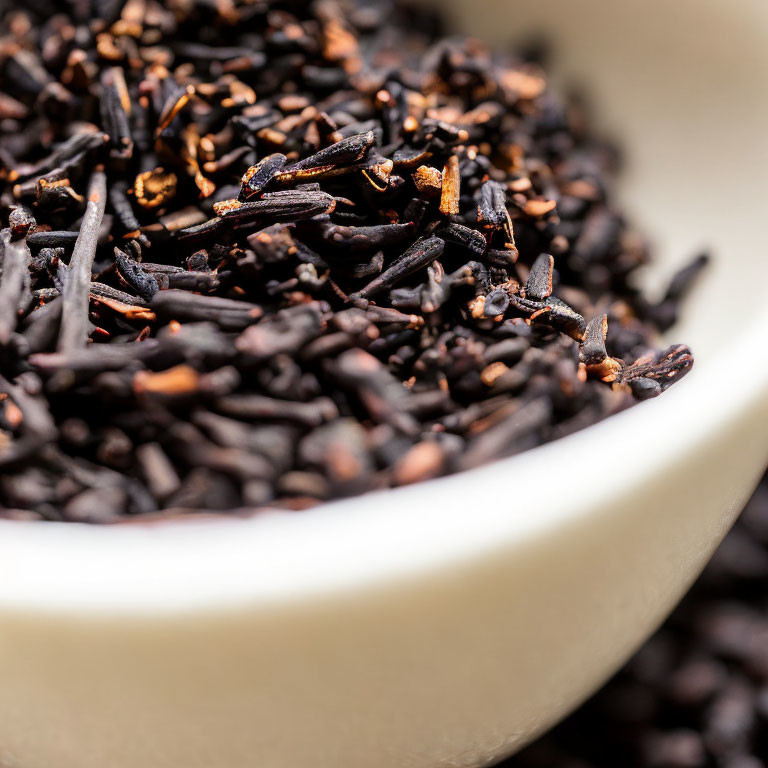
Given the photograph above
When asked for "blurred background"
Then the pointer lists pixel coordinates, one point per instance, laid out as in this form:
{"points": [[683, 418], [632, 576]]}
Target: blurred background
{"points": [[696, 694]]}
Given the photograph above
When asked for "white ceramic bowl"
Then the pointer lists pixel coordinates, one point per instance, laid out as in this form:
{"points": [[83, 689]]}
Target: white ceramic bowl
{"points": [[447, 623]]}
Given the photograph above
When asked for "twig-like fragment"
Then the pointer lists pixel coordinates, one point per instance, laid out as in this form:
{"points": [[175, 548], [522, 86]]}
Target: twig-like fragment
{"points": [[651, 375], [258, 176], [342, 152], [420, 254], [121, 205], [175, 304], [492, 209], [135, 275], [53, 239], [366, 239], [96, 358], [74, 315], [449, 197], [260, 408], [539, 284], [115, 110], [14, 283], [464, 237], [288, 205]]}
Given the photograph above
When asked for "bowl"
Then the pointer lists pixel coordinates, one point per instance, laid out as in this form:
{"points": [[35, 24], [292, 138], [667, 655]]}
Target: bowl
{"points": [[447, 623]]}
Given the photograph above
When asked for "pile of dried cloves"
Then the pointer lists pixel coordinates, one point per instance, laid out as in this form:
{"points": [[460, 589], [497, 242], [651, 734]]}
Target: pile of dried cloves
{"points": [[270, 253]]}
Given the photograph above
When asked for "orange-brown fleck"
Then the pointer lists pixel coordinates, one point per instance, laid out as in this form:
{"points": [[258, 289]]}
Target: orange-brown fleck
{"points": [[492, 372], [583, 189], [126, 28], [608, 370], [341, 45], [107, 48], [226, 9], [129, 311], [44, 184], [420, 462], [524, 85], [224, 207], [178, 105], [154, 188], [428, 180], [539, 207], [449, 199], [13, 414], [520, 185], [343, 464], [271, 136], [477, 307], [240, 95], [293, 31], [179, 380]]}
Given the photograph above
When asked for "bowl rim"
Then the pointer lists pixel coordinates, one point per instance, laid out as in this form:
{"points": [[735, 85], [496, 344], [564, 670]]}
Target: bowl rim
{"points": [[218, 562]]}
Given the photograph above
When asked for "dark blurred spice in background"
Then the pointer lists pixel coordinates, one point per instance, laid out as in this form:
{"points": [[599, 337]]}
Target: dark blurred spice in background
{"points": [[696, 695]]}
